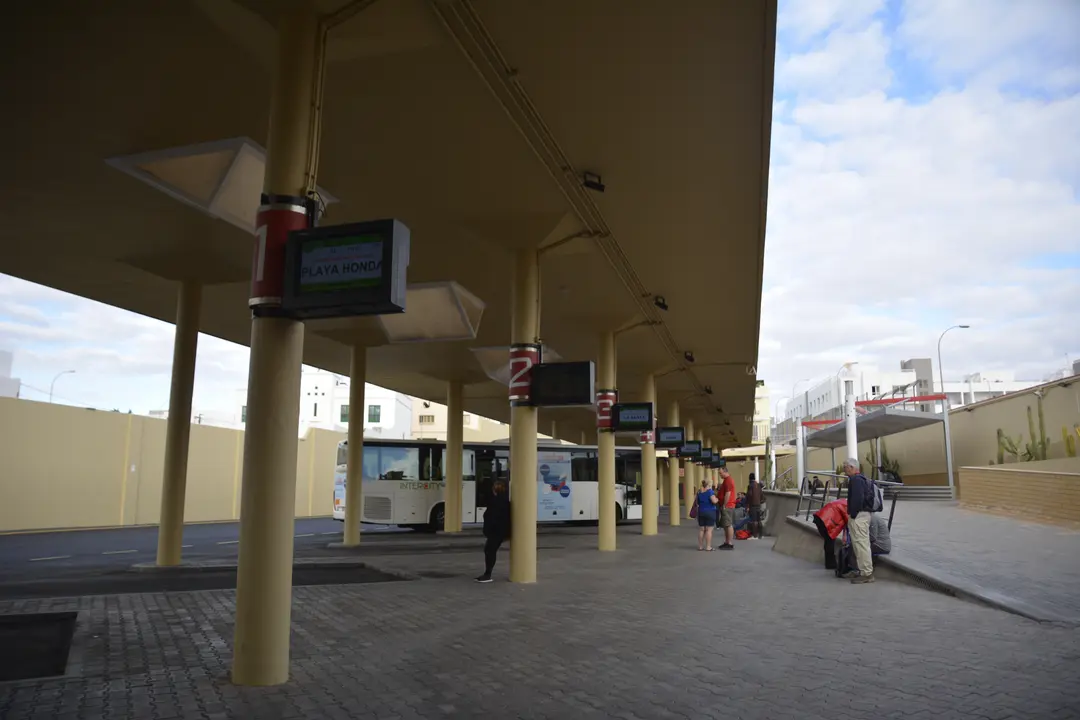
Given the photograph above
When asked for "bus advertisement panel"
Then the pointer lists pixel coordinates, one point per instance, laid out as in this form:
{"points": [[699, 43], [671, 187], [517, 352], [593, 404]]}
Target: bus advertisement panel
{"points": [[554, 484]]}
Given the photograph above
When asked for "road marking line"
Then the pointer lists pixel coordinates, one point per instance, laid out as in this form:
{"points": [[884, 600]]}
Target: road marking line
{"points": [[187, 546], [118, 552], [228, 542], [330, 533], [51, 557], [305, 535]]}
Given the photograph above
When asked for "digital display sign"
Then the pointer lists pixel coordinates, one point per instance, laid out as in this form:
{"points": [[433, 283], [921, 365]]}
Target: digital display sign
{"points": [[718, 462], [349, 270], [690, 450], [670, 437], [706, 456], [566, 384], [631, 417]]}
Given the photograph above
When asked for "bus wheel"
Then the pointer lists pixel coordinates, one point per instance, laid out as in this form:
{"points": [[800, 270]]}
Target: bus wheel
{"points": [[437, 523], [618, 512]]}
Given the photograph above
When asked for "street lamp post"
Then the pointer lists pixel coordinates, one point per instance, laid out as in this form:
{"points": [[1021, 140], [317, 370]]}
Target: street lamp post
{"points": [[945, 411], [53, 383]]}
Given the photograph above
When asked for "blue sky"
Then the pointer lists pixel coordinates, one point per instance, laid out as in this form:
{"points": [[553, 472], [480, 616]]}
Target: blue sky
{"points": [[925, 172]]}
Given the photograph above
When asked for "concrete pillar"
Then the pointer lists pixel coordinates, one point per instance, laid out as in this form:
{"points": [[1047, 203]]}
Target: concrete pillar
{"points": [[674, 514], [524, 329], [662, 480], [268, 496], [605, 441], [690, 480], [178, 429], [455, 438], [851, 417], [800, 454], [649, 507], [354, 477], [554, 430]]}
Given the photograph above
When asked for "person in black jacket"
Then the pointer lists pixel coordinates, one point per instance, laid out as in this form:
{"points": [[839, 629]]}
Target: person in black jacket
{"points": [[860, 503], [496, 528]]}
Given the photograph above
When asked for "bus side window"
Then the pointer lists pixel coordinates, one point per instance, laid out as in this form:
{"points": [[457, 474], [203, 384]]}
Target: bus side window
{"points": [[433, 469], [399, 463], [468, 465], [371, 462], [583, 466]]}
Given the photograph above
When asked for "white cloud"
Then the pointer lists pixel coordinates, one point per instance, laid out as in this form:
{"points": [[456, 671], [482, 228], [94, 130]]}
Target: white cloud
{"points": [[890, 219], [997, 41], [803, 20], [848, 63]]}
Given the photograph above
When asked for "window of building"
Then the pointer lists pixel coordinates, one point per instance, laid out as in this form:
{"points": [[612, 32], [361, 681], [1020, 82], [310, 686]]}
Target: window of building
{"points": [[315, 411], [243, 413], [374, 413], [344, 413], [875, 389], [427, 419], [398, 463]]}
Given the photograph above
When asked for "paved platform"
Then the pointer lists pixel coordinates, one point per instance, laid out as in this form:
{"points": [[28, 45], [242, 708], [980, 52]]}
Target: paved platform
{"points": [[655, 630], [1037, 564]]}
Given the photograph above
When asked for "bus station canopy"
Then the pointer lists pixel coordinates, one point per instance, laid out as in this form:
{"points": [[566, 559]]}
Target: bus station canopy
{"points": [[873, 425], [136, 133]]}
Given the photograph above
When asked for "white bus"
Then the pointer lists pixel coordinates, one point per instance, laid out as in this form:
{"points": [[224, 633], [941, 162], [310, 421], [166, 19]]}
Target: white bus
{"points": [[404, 482]]}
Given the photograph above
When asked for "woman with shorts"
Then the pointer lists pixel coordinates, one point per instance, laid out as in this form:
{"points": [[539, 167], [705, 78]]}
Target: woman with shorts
{"points": [[706, 515]]}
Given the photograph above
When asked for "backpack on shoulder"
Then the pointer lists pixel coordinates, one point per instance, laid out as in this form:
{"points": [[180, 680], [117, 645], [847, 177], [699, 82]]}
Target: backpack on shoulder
{"points": [[878, 496]]}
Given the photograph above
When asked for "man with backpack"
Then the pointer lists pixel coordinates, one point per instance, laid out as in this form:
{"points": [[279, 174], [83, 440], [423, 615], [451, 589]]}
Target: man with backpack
{"points": [[863, 498]]}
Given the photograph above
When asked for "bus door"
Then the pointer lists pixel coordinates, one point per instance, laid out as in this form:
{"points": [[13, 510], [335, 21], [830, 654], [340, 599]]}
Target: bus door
{"points": [[491, 465]]}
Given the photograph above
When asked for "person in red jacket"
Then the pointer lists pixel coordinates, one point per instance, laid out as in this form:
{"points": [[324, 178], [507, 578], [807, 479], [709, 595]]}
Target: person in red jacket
{"points": [[830, 521]]}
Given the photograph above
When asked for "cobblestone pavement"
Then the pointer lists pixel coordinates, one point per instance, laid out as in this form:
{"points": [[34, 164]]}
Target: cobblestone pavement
{"points": [[655, 630], [1037, 563]]}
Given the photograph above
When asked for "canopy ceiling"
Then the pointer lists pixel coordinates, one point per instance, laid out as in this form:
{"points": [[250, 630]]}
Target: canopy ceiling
{"points": [[470, 121]]}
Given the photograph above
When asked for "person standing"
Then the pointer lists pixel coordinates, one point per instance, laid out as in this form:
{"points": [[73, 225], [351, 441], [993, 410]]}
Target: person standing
{"points": [[706, 514], [496, 527], [755, 498], [727, 508], [860, 504]]}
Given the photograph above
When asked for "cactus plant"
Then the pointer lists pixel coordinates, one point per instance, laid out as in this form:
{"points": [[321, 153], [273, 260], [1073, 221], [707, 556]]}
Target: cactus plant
{"points": [[1070, 441], [1007, 445], [1044, 441]]}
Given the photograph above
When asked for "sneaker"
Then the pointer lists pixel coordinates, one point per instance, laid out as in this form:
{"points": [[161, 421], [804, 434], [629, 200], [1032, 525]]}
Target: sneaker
{"points": [[850, 574], [862, 579], [484, 579], [726, 546]]}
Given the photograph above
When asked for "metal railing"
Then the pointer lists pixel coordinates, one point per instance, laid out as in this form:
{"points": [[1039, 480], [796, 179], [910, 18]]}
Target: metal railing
{"points": [[890, 490]]}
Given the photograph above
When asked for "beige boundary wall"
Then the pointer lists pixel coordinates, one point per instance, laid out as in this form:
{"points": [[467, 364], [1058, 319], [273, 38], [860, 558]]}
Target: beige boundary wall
{"points": [[921, 452], [1045, 495], [65, 467]]}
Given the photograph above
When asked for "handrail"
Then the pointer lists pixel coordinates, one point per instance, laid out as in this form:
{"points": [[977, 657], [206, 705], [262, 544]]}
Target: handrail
{"points": [[812, 497]]}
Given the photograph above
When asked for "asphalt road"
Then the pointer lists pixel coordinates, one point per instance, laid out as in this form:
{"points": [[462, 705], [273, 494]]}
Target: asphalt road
{"points": [[93, 562], [43, 554]]}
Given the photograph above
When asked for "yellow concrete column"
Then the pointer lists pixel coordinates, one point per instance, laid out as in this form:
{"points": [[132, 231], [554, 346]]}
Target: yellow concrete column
{"points": [[455, 437], [605, 453], [674, 514], [178, 429], [690, 476], [354, 474], [524, 329], [649, 507], [661, 474], [268, 493]]}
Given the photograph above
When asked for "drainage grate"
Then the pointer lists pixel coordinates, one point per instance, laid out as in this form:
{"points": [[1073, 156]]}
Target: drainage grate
{"points": [[35, 645]]}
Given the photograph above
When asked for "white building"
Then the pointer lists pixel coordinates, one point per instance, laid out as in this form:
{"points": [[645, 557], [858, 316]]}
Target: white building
{"points": [[324, 403], [9, 386], [824, 399], [762, 413]]}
